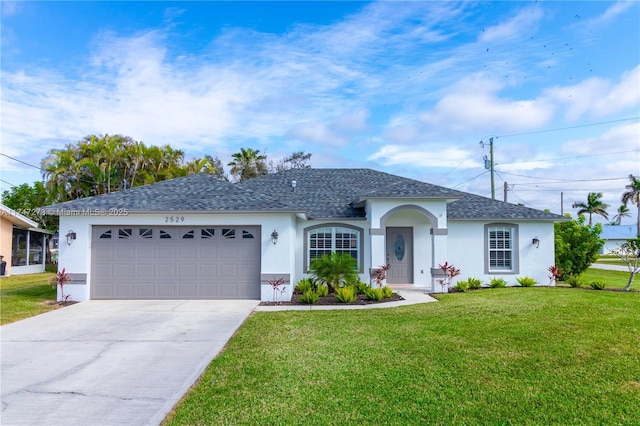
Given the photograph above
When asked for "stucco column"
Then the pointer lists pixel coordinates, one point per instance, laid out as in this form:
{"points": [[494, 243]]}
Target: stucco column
{"points": [[378, 252], [439, 252]]}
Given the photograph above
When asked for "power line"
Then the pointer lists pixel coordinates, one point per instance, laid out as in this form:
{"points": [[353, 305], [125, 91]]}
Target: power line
{"points": [[8, 183], [568, 158], [557, 180], [458, 165], [469, 180], [20, 161], [569, 127]]}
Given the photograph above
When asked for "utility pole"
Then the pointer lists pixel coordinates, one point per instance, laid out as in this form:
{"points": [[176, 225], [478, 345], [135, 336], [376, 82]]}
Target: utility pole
{"points": [[488, 164], [562, 203], [506, 189]]}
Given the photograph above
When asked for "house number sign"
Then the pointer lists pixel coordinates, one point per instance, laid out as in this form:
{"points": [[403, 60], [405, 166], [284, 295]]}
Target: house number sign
{"points": [[173, 219]]}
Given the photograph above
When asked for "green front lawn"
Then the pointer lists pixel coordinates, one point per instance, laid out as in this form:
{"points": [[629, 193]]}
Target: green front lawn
{"points": [[23, 296], [525, 356], [612, 279]]}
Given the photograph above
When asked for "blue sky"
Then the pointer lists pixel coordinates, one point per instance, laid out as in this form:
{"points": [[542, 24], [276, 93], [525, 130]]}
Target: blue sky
{"points": [[409, 88]]}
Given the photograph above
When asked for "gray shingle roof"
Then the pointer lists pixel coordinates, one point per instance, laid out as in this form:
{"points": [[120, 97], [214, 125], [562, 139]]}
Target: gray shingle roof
{"points": [[320, 193]]}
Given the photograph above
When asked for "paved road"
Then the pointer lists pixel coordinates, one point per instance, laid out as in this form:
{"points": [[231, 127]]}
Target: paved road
{"points": [[110, 362], [610, 267]]}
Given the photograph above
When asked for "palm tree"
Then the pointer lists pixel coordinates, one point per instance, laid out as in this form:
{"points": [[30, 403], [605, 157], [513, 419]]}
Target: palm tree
{"points": [[248, 164], [594, 205], [623, 211], [633, 194]]}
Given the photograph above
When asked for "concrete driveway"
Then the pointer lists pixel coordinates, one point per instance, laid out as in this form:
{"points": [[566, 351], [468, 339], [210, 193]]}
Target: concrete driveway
{"points": [[111, 362]]}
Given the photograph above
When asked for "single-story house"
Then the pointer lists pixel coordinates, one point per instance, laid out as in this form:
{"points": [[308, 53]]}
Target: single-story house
{"points": [[22, 243], [201, 237], [614, 235]]}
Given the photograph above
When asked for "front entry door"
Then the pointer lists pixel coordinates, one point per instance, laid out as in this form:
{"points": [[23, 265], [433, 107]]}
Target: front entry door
{"points": [[400, 255]]}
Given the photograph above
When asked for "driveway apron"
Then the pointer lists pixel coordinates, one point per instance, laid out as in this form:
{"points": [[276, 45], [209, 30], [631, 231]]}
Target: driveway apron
{"points": [[110, 362]]}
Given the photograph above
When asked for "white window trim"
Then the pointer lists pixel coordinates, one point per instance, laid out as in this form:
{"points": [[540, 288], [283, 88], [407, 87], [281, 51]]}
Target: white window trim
{"points": [[515, 261], [333, 226]]}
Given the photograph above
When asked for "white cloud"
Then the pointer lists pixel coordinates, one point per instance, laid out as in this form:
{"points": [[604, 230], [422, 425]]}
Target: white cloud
{"points": [[474, 105], [435, 156], [610, 14], [599, 97], [621, 138], [524, 21]]}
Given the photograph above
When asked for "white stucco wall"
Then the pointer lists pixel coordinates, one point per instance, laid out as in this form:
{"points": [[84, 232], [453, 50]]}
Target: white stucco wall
{"points": [[276, 259], [466, 251]]}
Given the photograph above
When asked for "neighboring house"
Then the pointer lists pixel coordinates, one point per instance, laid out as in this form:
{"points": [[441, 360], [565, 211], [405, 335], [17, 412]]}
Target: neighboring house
{"points": [[614, 235], [200, 237], [22, 243]]}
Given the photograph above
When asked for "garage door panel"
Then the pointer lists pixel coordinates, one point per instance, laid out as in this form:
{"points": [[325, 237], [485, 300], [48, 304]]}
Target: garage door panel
{"points": [[187, 272], [167, 271], [146, 262], [145, 252], [145, 290], [123, 252], [145, 271]]}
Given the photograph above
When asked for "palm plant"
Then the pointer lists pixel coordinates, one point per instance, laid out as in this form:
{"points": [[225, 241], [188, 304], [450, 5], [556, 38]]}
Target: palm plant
{"points": [[633, 194], [335, 268], [623, 211], [594, 205], [248, 164]]}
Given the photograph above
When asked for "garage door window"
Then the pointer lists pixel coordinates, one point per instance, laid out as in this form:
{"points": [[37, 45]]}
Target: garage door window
{"points": [[189, 234], [146, 233], [208, 233], [106, 235], [164, 235], [124, 233]]}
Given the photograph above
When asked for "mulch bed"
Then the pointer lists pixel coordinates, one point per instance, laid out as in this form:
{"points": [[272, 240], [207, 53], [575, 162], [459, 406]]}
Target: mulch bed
{"points": [[331, 300]]}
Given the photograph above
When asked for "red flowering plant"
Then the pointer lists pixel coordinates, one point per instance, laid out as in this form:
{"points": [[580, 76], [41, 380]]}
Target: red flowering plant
{"points": [[450, 271], [381, 274], [555, 273], [275, 284], [61, 279]]}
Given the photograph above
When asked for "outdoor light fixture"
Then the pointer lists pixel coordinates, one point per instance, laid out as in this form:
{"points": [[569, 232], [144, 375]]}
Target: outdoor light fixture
{"points": [[274, 236], [536, 242], [70, 237]]}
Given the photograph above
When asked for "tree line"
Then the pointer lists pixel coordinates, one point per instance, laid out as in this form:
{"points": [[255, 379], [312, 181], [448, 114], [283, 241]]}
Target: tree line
{"points": [[595, 206], [100, 164]]}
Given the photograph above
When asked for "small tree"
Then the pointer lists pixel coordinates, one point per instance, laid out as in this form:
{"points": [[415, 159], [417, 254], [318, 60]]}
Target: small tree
{"points": [[60, 280], [629, 252], [335, 268], [576, 245]]}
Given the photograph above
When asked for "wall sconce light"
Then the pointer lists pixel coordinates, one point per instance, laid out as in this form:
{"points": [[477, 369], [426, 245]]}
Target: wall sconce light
{"points": [[70, 237], [536, 242], [274, 237]]}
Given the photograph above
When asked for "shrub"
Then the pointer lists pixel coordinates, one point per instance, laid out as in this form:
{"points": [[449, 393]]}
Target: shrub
{"points": [[305, 285], [577, 245], [359, 286], [597, 285], [387, 292], [574, 281], [310, 297], [461, 286], [526, 281], [322, 290], [497, 282], [374, 294], [474, 283], [335, 269], [346, 294]]}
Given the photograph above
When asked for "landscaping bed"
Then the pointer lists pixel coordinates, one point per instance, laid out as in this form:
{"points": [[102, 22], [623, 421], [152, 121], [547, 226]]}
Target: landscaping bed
{"points": [[331, 300]]}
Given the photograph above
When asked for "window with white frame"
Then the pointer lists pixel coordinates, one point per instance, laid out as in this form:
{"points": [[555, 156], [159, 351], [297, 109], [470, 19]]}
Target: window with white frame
{"points": [[326, 239], [501, 253]]}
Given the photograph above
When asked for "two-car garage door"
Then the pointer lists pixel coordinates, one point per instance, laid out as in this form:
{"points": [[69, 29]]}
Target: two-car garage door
{"points": [[175, 262]]}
